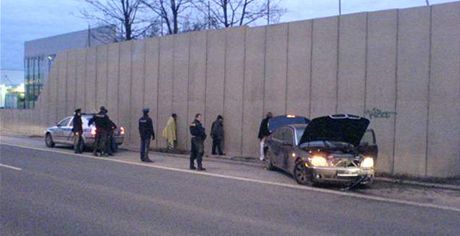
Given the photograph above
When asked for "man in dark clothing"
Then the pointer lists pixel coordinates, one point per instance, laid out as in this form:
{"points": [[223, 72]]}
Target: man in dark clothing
{"points": [[109, 147], [217, 134], [77, 129], [263, 133], [102, 122], [198, 136], [146, 132]]}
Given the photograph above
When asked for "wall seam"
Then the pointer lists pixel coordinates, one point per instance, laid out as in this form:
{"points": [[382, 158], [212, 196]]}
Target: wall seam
{"points": [[57, 90], [286, 79], [265, 71], [107, 76], [187, 116], [66, 82], [144, 77], [366, 52], [311, 67], [396, 91], [173, 75], [225, 72], [242, 99], [96, 80], [337, 66], [75, 97], [427, 149], [158, 86], [205, 79], [118, 83], [84, 84], [130, 43]]}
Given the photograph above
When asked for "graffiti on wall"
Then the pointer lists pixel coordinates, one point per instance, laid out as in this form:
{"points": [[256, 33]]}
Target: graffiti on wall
{"points": [[376, 113]]}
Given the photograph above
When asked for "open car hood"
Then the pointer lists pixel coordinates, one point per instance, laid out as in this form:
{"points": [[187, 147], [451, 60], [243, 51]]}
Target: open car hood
{"points": [[341, 128], [284, 120]]}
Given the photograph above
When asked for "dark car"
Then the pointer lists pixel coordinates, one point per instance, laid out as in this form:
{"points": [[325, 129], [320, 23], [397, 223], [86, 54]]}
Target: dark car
{"points": [[333, 149]]}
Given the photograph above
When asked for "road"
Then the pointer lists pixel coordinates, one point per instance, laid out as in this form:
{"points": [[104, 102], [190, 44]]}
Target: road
{"points": [[49, 192]]}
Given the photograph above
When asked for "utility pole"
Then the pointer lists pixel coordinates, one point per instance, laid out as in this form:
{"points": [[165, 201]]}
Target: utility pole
{"points": [[209, 15], [340, 7], [427, 2], [268, 12]]}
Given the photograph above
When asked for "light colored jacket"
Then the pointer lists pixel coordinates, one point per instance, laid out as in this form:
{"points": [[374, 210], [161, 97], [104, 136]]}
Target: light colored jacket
{"points": [[169, 132]]}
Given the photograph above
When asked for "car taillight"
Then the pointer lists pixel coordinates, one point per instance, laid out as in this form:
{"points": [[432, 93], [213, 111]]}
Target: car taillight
{"points": [[93, 131], [122, 130]]}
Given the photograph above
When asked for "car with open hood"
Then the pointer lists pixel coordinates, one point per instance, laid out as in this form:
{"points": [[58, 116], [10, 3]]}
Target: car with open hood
{"points": [[329, 149]]}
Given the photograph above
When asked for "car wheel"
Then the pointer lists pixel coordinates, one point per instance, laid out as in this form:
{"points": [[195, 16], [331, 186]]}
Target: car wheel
{"points": [[268, 162], [301, 175], [49, 140]]}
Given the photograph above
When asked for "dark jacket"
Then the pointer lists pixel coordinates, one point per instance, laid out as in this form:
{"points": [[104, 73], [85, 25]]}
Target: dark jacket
{"points": [[263, 130], [77, 124], [197, 130], [217, 130], [102, 122], [146, 127]]}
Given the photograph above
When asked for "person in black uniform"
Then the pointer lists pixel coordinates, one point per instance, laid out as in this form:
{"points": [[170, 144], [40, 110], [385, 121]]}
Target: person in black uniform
{"points": [[198, 136], [102, 122], [263, 134], [77, 129], [146, 132]]}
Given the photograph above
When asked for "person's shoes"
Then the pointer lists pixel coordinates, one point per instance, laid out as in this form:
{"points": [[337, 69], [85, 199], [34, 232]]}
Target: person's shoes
{"points": [[192, 168], [95, 154], [201, 169], [110, 154], [104, 154], [147, 160]]}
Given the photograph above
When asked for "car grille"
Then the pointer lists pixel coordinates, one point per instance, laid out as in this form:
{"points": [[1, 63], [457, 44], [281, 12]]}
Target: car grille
{"points": [[343, 160]]}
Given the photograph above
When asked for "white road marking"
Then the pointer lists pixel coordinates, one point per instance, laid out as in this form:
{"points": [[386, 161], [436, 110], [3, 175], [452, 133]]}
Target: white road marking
{"points": [[292, 186], [10, 167]]}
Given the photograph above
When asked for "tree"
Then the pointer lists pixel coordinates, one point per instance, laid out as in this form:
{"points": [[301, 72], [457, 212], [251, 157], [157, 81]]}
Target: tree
{"points": [[229, 13], [171, 12], [125, 15]]}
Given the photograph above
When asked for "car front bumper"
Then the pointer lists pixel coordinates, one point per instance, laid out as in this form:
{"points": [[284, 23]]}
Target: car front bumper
{"points": [[342, 175]]}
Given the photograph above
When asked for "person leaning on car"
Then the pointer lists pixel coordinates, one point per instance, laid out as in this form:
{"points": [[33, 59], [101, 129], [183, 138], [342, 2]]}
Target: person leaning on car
{"points": [[102, 122], [77, 129], [264, 133]]}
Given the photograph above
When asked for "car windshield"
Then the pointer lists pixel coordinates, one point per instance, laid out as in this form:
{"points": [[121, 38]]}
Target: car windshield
{"points": [[326, 144]]}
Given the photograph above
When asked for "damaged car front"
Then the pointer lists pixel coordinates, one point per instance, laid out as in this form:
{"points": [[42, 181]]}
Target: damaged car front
{"points": [[330, 151]]}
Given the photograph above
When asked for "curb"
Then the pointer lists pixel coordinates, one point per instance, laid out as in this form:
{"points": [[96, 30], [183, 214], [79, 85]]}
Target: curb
{"points": [[419, 183]]}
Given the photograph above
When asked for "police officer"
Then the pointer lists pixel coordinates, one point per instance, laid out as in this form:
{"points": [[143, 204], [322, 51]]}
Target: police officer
{"points": [[77, 129], [198, 136], [103, 123], [146, 132]]}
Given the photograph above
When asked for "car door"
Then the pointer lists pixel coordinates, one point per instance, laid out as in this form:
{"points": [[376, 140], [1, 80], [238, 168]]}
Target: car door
{"points": [[275, 145], [58, 136], [287, 147], [368, 145], [67, 134]]}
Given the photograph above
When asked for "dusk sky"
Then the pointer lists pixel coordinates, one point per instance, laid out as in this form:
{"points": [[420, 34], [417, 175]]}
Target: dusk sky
{"points": [[24, 20]]}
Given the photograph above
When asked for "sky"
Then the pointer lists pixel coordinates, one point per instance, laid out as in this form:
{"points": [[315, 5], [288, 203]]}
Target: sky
{"points": [[24, 20]]}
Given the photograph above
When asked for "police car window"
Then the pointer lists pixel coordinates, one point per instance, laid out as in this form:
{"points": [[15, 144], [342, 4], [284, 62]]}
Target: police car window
{"points": [[287, 135], [64, 122], [278, 134]]}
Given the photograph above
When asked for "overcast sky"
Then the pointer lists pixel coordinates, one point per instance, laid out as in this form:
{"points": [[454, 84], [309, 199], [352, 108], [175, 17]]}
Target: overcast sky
{"points": [[24, 20]]}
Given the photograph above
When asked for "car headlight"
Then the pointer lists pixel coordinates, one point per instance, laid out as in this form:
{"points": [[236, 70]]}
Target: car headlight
{"points": [[368, 162], [318, 161]]}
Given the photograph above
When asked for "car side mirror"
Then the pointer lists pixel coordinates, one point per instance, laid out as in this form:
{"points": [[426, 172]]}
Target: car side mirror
{"points": [[364, 144]]}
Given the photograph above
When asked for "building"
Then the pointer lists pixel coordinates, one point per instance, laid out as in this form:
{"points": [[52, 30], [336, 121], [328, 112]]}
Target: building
{"points": [[14, 97], [39, 55], [3, 91]]}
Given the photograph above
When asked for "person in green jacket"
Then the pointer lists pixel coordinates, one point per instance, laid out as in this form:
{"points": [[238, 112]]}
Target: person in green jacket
{"points": [[170, 132]]}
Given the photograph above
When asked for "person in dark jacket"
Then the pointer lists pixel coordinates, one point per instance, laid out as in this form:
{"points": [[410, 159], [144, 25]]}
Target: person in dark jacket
{"points": [[217, 135], [102, 122], [77, 129], [146, 133], [198, 136], [264, 133], [110, 144]]}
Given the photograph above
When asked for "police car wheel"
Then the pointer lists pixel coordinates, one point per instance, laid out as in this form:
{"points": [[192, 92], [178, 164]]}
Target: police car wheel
{"points": [[49, 140], [269, 163], [301, 175]]}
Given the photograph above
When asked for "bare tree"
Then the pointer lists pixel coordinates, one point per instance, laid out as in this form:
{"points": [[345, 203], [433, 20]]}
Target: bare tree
{"points": [[229, 13], [125, 15], [171, 12]]}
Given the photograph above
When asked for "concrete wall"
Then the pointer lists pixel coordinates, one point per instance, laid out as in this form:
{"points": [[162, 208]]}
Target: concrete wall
{"points": [[400, 68]]}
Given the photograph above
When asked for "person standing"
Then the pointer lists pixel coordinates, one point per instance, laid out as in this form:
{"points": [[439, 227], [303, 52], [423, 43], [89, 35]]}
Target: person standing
{"points": [[217, 135], [77, 129], [146, 133], [170, 132], [102, 122], [264, 132], [198, 136]]}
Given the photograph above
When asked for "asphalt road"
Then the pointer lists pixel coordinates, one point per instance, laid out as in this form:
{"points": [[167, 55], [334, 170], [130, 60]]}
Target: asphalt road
{"points": [[62, 194]]}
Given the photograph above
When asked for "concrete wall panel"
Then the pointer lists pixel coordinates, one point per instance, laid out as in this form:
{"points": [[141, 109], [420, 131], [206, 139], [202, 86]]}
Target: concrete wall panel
{"points": [[381, 82], [298, 71], [62, 87], [151, 84], [81, 79], [276, 69], [137, 89], [215, 80], [101, 75], [352, 64], [444, 121], [412, 91], [124, 88], [253, 89], [90, 86], [71, 81], [113, 57], [197, 76], [53, 90], [165, 92], [324, 67], [180, 91], [234, 82]]}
